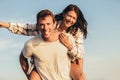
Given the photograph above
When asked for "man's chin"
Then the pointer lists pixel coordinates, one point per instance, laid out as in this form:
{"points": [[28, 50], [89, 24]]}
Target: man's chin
{"points": [[45, 36]]}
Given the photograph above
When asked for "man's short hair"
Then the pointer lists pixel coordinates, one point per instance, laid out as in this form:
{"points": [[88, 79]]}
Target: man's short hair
{"points": [[44, 13]]}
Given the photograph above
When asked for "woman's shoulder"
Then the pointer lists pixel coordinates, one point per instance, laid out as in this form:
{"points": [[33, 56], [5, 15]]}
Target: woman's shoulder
{"points": [[78, 33]]}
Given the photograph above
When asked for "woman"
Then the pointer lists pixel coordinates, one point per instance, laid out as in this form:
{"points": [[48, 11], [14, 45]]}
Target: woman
{"points": [[72, 21]]}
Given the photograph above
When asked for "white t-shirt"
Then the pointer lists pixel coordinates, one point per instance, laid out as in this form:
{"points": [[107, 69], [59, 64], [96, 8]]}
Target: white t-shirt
{"points": [[51, 59]]}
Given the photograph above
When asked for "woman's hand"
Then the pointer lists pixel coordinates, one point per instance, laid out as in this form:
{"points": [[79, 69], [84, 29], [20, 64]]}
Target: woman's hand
{"points": [[65, 40], [0, 24], [4, 24]]}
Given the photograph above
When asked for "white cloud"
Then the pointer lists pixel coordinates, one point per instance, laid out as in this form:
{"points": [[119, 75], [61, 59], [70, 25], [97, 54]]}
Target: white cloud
{"points": [[8, 44], [4, 44], [4, 58]]}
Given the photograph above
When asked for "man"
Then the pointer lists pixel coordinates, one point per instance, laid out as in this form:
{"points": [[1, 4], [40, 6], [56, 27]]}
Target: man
{"points": [[50, 56]]}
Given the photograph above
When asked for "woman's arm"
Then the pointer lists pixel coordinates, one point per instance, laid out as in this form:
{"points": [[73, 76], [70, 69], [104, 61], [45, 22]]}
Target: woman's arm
{"points": [[4, 25], [69, 42], [78, 47], [74, 45], [22, 29]]}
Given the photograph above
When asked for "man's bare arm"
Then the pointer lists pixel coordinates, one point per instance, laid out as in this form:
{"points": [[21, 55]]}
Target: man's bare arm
{"points": [[24, 64]]}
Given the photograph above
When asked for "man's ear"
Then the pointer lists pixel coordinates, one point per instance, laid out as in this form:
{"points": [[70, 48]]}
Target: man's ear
{"points": [[54, 25]]}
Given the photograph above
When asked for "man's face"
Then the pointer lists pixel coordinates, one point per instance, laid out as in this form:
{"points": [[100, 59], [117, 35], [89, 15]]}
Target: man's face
{"points": [[46, 26]]}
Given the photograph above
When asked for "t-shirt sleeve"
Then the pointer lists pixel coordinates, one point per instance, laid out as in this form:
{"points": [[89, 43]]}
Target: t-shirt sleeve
{"points": [[27, 50]]}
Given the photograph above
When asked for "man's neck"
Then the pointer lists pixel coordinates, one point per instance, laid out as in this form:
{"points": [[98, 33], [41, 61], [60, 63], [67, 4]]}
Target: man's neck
{"points": [[53, 37]]}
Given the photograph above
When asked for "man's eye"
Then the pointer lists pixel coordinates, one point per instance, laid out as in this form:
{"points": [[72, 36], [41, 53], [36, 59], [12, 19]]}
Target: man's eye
{"points": [[48, 23], [40, 25]]}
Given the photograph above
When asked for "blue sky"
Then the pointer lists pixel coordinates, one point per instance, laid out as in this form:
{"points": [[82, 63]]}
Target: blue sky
{"points": [[102, 46]]}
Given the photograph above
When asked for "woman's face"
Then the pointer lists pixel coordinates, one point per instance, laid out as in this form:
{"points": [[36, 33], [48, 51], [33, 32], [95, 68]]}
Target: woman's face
{"points": [[69, 19]]}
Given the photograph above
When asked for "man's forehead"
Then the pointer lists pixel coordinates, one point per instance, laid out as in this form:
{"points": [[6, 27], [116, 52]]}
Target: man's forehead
{"points": [[46, 19]]}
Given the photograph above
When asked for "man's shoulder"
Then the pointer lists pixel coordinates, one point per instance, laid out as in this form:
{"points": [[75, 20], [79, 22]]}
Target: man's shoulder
{"points": [[34, 41]]}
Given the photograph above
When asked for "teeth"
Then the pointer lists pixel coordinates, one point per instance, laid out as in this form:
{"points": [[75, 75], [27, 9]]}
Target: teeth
{"points": [[68, 22], [46, 32]]}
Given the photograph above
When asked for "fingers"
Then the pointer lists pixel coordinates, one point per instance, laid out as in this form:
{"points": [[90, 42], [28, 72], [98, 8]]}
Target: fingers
{"points": [[62, 35]]}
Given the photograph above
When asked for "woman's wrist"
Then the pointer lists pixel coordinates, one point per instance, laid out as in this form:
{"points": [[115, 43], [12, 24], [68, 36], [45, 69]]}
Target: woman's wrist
{"points": [[69, 48], [7, 25]]}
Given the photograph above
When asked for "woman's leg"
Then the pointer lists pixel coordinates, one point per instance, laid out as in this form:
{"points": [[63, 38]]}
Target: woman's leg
{"points": [[34, 75], [77, 70], [83, 77], [80, 64]]}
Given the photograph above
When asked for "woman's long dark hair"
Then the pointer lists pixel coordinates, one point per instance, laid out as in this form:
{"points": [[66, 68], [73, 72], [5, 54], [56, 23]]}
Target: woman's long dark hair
{"points": [[81, 23]]}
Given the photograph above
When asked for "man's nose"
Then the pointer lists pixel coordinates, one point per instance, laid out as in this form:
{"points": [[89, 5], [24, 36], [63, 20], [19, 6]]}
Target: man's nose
{"points": [[45, 27]]}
